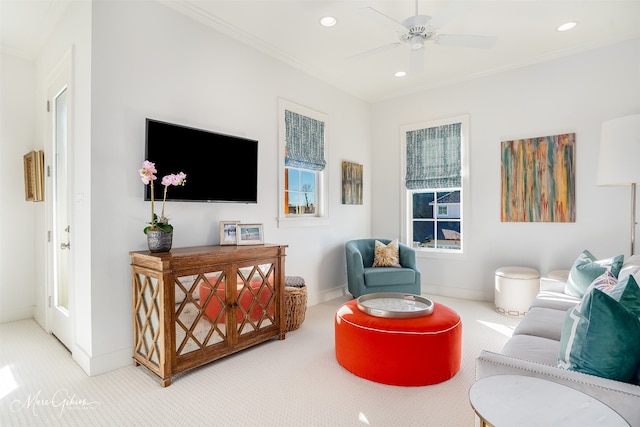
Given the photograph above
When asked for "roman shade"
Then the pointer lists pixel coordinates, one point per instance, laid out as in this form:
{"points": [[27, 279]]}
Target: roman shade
{"points": [[304, 138], [434, 157]]}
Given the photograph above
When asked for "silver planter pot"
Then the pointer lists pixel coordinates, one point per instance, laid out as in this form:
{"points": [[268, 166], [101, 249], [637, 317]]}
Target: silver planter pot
{"points": [[159, 241]]}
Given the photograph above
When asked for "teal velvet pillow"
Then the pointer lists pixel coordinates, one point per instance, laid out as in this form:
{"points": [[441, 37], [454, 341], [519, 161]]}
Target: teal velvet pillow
{"points": [[600, 335], [586, 269]]}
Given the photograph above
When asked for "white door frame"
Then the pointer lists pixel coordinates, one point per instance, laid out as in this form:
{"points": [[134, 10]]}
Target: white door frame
{"points": [[59, 323]]}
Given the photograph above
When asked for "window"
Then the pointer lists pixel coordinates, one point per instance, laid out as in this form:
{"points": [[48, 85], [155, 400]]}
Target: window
{"points": [[300, 191], [302, 154], [434, 225], [435, 168]]}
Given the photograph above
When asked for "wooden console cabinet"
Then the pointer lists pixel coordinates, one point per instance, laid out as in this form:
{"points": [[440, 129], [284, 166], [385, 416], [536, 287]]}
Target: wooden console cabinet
{"points": [[195, 305]]}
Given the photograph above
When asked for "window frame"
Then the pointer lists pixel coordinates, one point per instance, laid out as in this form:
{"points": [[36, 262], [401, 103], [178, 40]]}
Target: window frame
{"points": [[300, 190], [321, 216], [406, 199]]}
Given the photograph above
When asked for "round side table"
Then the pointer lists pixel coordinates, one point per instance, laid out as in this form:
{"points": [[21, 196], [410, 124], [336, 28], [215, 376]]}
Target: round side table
{"points": [[515, 289], [514, 400]]}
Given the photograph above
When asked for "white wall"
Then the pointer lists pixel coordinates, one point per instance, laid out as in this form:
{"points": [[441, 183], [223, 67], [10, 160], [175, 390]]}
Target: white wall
{"points": [[572, 94], [17, 216], [140, 59], [150, 61], [128, 66]]}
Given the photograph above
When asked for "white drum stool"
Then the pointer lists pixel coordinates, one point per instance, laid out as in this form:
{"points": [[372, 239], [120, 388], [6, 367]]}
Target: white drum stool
{"points": [[515, 290]]}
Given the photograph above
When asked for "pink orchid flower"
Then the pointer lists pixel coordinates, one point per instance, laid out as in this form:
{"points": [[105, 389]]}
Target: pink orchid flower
{"points": [[147, 176]]}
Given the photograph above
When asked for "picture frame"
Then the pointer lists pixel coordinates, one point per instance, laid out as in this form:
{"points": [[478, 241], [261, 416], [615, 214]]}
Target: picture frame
{"points": [[228, 232], [351, 183], [538, 179], [34, 176], [249, 234]]}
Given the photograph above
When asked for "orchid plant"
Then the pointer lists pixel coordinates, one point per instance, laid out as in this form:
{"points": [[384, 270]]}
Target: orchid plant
{"points": [[147, 174]]}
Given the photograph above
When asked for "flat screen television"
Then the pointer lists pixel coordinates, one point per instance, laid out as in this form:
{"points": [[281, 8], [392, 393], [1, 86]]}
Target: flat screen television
{"points": [[219, 168]]}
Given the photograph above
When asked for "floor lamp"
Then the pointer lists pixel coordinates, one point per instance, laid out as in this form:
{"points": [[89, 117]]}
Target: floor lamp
{"points": [[619, 161]]}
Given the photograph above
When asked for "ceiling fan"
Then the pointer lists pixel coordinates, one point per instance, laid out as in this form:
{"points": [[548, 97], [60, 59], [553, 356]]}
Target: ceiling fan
{"points": [[418, 29]]}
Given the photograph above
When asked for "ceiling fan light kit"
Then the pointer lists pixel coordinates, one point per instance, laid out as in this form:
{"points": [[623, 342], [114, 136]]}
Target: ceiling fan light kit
{"points": [[416, 42]]}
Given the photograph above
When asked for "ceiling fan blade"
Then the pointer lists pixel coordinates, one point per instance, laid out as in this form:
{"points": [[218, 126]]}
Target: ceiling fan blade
{"points": [[375, 51], [483, 42], [416, 61], [382, 19]]}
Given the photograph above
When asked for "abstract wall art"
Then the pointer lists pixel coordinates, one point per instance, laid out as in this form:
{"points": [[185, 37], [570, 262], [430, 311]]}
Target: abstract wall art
{"points": [[538, 179], [351, 183]]}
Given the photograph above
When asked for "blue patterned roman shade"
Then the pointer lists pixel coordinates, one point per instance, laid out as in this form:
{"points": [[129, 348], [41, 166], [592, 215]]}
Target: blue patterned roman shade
{"points": [[304, 142], [434, 158]]}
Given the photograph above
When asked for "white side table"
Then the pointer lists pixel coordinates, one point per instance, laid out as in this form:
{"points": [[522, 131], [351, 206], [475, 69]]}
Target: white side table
{"points": [[514, 400], [515, 289]]}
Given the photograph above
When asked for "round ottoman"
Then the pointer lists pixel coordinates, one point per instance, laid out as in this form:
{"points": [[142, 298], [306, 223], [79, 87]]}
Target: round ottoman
{"points": [[407, 352], [515, 290]]}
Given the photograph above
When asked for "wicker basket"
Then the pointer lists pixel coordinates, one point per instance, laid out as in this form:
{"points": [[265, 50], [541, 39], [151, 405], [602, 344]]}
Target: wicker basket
{"points": [[295, 303]]}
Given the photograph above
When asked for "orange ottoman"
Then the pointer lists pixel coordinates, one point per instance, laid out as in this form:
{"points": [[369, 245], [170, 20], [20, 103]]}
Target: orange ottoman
{"points": [[408, 352]]}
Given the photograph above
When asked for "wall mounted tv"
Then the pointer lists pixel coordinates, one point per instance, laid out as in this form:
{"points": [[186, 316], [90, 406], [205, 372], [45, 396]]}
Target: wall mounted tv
{"points": [[219, 168]]}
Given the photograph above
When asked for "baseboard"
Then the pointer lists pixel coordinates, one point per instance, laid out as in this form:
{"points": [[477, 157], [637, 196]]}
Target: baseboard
{"points": [[13, 314], [449, 291], [40, 317], [97, 365], [327, 295]]}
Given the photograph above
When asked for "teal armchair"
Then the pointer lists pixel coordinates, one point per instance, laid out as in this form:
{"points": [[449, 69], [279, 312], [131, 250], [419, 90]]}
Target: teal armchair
{"points": [[363, 278]]}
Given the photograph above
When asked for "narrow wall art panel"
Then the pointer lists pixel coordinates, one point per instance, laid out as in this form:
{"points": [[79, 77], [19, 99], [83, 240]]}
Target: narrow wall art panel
{"points": [[34, 176], [538, 179], [351, 183]]}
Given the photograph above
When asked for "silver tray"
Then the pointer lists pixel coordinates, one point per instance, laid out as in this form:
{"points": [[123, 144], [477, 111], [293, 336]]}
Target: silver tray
{"points": [[395, 305]]}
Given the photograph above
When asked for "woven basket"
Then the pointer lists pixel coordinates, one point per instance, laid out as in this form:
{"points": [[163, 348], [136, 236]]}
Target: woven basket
{"points": [[295, 303]]}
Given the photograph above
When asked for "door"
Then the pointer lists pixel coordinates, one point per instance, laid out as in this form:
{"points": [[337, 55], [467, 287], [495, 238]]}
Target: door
{"points": [[60, 311]]}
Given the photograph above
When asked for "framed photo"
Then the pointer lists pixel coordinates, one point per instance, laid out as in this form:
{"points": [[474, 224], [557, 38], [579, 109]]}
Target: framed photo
{"points": [[249, 234], [34, 176], [228, 232]]}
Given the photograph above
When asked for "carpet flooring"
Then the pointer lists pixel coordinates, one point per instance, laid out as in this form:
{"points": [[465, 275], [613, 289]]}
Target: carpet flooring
{"points": [[294, 382]]}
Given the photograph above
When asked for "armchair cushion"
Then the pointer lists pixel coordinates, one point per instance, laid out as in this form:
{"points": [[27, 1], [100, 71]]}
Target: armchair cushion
{"points": [[384, 276]]}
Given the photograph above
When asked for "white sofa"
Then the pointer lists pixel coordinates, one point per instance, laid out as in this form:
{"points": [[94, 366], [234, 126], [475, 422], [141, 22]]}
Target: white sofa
{"points": [[534, 347]]}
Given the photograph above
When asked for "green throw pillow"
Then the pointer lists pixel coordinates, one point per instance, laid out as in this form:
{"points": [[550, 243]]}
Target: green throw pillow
{"points": [[627, 293], [586, 269], [600, 335]]}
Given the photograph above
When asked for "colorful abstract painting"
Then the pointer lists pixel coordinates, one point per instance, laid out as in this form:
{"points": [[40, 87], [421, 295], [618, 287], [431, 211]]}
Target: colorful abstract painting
{"points": [[538, 179]]}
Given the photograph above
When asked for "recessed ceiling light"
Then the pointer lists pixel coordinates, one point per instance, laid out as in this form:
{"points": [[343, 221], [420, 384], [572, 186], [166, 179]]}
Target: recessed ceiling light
{"points": [[328, 21], [567, 26], [400, 73]]}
